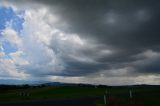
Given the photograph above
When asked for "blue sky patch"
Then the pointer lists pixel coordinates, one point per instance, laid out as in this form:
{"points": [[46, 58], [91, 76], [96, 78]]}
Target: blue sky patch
{"points": [[8, 15], [8, 48]]}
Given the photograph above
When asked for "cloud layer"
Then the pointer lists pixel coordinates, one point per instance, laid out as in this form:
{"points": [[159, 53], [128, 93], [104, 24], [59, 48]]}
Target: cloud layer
{"points": [[107, 41]]}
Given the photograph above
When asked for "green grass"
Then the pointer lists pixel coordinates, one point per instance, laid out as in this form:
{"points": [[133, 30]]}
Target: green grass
{"points": [[149, 95], [63, 92]]}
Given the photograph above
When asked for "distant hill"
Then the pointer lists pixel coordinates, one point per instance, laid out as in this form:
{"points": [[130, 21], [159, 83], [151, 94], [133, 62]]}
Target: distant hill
{"points": [[54, 83], [19, 82]]}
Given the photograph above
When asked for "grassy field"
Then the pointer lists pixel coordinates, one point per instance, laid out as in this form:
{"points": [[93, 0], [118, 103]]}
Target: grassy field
{"points": [[141, 96], [116, 96], [50, 92]]}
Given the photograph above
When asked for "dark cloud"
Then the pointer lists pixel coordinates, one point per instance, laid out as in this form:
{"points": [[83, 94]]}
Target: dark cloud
{"points": [[128, 27], [125, 28], [149, 63], [77, 68]]}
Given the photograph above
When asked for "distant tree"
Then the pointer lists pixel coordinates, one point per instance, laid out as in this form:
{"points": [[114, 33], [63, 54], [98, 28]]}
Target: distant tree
{"points": [[43, 85], [26, 86]]}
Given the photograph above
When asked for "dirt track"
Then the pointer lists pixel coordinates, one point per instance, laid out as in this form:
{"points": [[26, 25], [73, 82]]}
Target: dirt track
{"points": [[73, 102]]}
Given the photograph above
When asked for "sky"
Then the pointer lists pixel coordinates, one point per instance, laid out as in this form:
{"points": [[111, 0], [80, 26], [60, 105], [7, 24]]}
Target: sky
{"points": [[112, 42]]}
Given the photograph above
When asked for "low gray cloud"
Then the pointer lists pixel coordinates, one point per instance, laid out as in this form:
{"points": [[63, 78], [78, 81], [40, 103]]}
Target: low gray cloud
{"points": [[128, 28], [92, 37]]}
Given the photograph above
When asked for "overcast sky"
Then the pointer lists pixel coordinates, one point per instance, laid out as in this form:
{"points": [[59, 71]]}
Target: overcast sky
{"points": [[110, 42]]}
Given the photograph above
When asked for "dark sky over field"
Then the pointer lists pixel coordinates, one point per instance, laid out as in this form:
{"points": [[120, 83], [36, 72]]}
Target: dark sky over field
{"points": [[89, 41]]}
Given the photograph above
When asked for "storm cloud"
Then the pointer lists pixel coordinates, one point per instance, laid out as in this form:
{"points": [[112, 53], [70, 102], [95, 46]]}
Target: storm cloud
{"points": [[89, 38], [128, 28]]}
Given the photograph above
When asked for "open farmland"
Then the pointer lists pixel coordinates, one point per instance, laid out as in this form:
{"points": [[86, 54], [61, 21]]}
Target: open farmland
{"points": [[50, 92], [115, 96]]}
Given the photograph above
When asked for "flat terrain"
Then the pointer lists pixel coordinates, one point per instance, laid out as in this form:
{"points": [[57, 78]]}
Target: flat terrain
{"points": [[69, 102], [50, 93], [143, 95]]}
